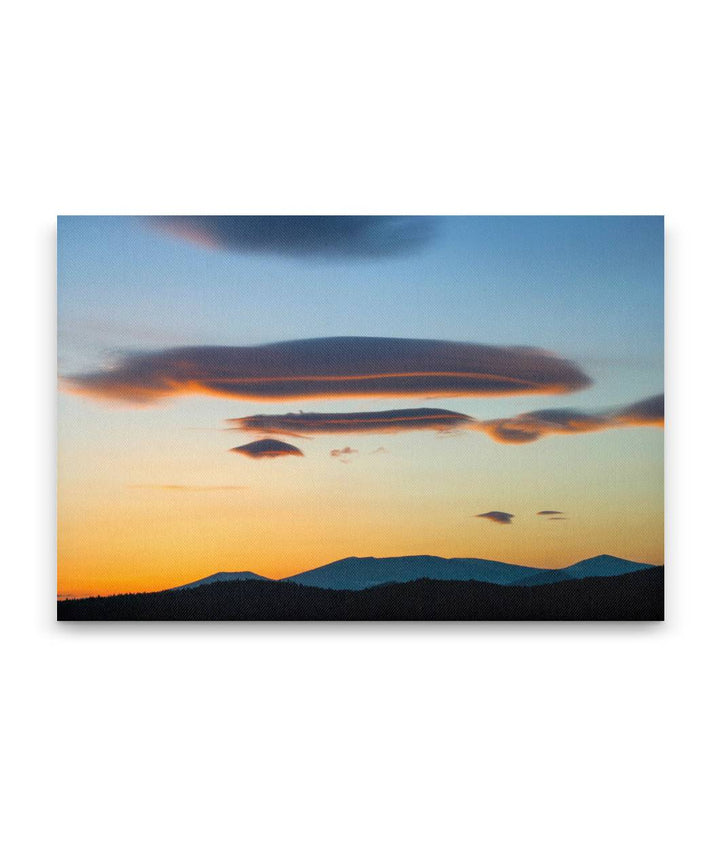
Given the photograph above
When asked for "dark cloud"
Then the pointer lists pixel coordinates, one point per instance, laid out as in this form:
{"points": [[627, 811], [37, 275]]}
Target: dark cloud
{"points": [[528, 427], [551, 512], [335, 367], [649, 411], [525, 428], [383, 421], [320, 236], [267, 449], [497, 516], [532, 426]]}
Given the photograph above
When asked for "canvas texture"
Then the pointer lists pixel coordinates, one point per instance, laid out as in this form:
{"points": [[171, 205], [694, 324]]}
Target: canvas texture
{"points": [[360, 418]]}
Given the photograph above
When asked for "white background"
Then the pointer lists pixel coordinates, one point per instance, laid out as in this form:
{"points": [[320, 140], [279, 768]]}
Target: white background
{"points": [[503, 739]]}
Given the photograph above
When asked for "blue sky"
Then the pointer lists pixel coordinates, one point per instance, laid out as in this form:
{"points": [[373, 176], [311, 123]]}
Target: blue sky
{"points": [[587, 287]]}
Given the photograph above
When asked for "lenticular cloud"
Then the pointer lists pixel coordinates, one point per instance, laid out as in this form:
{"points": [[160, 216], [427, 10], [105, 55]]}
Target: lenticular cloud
{"points": [[528, 427], [267, 449], [369, 422], [524, 428], [334, 367], [502, 517], [323, 236]]}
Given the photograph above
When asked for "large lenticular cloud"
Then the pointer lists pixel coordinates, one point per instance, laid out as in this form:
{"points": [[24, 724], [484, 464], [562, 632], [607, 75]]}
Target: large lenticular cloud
{"points": [[319, 236], [334, 367]]}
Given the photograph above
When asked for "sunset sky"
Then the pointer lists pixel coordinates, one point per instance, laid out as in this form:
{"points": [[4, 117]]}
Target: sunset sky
{"points": [[169, 327]]}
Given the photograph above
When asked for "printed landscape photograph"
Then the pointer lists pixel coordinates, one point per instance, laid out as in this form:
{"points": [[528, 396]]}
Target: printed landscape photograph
{"points": [[363, 418]]}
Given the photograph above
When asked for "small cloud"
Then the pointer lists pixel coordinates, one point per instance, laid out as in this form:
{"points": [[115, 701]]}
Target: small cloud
{"points": [[497, 516], [311, 236], [552, 515], [267, 449], [381, 450], [341, 453]]}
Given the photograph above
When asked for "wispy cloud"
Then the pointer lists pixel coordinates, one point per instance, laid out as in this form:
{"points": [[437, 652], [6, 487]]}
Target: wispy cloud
{"points": [[343, 454], [503, 517], [551, 512], [267, 449], [528, 427], [320, 236], [335, 367], [188, 487]]}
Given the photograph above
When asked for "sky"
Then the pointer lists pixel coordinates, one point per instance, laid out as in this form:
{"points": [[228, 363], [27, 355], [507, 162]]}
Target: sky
{"points": [[272, 394]]}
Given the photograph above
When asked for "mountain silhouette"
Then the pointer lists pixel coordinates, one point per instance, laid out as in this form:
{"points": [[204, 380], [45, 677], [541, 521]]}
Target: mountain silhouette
{"points": [[221, 577], [355, 573], [602, 566], [634, 596]]}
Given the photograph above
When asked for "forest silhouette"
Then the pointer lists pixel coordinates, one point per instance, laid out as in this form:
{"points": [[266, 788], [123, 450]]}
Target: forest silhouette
{"points": [[637, 596]]}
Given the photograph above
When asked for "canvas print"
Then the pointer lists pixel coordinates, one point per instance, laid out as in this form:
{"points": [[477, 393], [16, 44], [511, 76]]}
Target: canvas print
{"points": [[363, 418]]}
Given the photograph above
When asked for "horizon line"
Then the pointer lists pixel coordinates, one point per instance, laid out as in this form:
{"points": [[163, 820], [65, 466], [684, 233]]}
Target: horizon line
{"points": [[65, 596]]}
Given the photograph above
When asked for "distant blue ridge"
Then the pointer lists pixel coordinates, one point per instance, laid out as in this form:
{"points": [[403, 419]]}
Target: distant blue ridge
{"points": [[219, 578], [356, 573]]}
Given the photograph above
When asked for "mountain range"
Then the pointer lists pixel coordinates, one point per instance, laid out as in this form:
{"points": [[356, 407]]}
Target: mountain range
{"points": [[357, 573]]}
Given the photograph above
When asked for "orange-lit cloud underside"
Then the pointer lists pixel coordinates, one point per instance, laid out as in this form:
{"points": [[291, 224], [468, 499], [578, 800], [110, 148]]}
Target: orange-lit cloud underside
{"points": [[330, 368], [524, 428], [528, 427], [380, 422]]}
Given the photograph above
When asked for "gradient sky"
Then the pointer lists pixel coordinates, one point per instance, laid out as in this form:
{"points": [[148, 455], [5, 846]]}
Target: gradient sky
{"points": [[148, 497]]}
